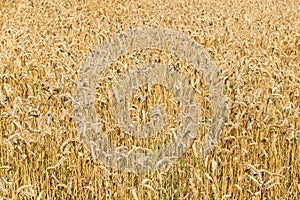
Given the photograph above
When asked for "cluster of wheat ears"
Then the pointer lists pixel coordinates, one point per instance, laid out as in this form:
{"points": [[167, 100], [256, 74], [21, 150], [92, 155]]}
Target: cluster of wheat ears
{"points": [[255, 45]]}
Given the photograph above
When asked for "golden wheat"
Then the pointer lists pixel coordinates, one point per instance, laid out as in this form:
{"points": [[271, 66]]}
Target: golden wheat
{"points": [[255, 44]]}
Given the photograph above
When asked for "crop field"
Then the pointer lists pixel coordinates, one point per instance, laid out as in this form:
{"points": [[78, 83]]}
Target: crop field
{"points": [[254, 44]]}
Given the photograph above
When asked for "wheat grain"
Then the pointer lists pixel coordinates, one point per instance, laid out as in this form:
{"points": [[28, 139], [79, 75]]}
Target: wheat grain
{"points": [[254, 44]]}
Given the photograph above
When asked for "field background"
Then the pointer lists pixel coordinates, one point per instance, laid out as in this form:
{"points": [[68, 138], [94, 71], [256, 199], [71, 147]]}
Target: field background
{"points": [[256, 45]]}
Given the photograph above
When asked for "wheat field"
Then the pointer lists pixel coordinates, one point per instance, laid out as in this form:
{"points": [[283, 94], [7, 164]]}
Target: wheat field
{"points": [[255, 45]]}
